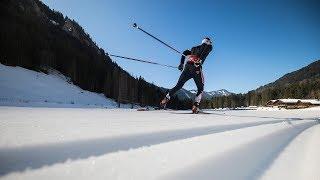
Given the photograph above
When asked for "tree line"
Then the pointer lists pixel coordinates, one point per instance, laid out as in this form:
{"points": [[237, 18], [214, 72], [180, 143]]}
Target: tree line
{"points": [[307, 89]]}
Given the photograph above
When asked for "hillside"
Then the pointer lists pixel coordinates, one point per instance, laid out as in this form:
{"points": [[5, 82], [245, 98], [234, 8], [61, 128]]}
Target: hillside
{"points": [[301, 84], [35, 37], [22, 87], [310, 72]]}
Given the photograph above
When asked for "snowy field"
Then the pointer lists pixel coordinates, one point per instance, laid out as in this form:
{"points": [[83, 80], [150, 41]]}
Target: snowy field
{"points": [[84, 143]]}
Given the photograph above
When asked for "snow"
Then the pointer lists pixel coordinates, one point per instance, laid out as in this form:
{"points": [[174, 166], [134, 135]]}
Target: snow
{"points": [[52, 129], [22, 87], [300, 156], [312, 101], [82, 143], [289, 100], [54, 22], [211, 94]]}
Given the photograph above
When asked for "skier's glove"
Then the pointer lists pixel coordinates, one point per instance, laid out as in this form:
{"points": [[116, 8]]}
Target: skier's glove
{"points": [[180, 67]]}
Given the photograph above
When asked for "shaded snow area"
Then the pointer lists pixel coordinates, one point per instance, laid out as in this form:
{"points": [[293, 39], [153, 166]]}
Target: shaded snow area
{"points": [[82, 143], [22, 87]]}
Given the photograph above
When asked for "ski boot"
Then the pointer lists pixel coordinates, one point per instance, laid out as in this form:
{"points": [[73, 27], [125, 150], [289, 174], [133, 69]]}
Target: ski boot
{"points": [[195, 108], [164, 102]]}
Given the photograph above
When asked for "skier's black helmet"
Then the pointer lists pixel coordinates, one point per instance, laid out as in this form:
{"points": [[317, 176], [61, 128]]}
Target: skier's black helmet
{"points": [[206, 41]]}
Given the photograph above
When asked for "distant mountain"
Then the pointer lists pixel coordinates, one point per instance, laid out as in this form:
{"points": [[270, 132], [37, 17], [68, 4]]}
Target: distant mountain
{"points": [[221, 92], [211, 94], [184, 94]]}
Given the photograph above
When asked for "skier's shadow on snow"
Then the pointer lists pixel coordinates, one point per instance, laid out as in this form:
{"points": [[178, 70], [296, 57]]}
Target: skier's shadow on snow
{"points": [[33, 157]]}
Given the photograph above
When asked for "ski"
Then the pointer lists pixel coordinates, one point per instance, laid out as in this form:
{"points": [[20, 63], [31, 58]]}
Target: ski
{"points": [[150, 109], [200, 112]]}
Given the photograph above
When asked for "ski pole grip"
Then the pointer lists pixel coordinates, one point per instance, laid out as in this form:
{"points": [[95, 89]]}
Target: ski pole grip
{"points": [[134, 25]]}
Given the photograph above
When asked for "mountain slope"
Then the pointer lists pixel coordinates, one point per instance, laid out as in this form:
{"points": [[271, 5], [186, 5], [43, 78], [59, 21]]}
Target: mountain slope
{"points": [[310, 72], [301, 84], [211, 94]]}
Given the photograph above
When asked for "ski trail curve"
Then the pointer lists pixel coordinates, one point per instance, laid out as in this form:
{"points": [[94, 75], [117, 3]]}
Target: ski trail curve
{"points": [[247, 162], [303, 156], [33, 157]]}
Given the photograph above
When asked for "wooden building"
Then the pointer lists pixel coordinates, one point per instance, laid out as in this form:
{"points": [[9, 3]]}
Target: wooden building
{"points": [[293, 103]]}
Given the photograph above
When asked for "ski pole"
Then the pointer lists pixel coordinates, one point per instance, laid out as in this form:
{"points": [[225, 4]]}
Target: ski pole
{"points": [[136, 26], [140, 60]]}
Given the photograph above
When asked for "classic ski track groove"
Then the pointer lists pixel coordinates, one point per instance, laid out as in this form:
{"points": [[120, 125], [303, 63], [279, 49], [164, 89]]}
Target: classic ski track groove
{"points": [[255, 164], [279, 140], [34, 157], [302, 159]]}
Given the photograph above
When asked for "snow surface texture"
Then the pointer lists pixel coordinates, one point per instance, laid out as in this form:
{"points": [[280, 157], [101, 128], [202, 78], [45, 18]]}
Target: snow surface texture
{"points": [[82, 143], [22, 87]]}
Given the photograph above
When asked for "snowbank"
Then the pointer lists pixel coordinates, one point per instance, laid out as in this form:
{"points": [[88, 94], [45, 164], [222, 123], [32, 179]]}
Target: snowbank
{"points": [[22, 87]]}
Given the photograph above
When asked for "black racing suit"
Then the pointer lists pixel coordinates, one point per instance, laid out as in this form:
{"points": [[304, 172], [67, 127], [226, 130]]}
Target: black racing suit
{"points": [[193, 69]]}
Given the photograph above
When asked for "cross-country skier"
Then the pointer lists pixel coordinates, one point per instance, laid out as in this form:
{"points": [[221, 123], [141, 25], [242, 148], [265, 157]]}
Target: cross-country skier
{"points": [[192, 69]]}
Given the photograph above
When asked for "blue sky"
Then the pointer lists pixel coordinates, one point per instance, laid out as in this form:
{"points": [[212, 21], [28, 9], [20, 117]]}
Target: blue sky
{"points": [[255, 42]]}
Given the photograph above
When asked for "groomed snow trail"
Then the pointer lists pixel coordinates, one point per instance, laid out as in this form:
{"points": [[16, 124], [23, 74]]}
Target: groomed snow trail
{"points": [[49, 143], [299, 160]]}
